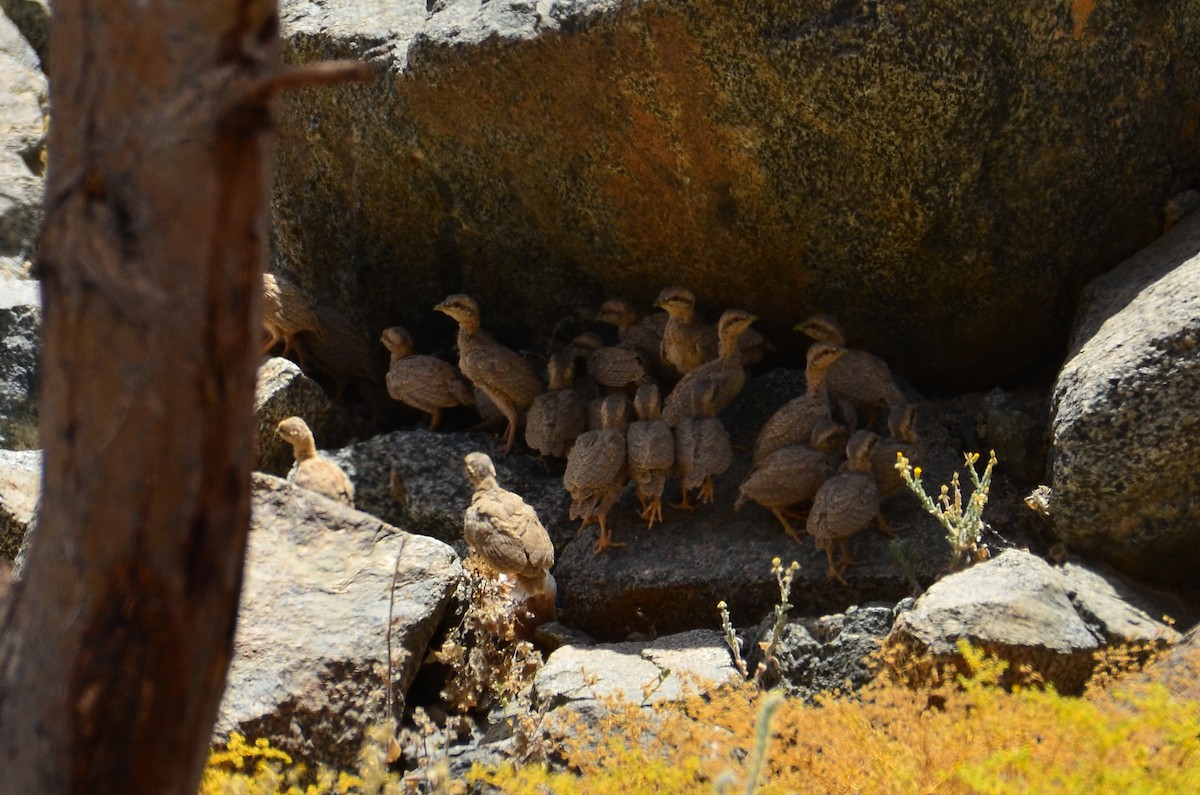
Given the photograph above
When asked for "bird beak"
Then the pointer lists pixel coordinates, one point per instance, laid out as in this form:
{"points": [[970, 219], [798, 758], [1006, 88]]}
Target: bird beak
{"points": [[440, 307]]}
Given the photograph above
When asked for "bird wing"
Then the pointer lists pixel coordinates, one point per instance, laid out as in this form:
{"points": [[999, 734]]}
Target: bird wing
{"points": [[596, 460], [714, 453], [507, 533], [650, 445], [497, 369], [427, 382]]}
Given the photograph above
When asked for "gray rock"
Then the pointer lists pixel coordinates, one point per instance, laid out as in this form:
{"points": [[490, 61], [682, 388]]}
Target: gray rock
{"points": [[829, 654], [20, 363], [1117, 610], [32, 18], [1019, 608], [641, 672], [284, 391], [20, 491], [1124, 464], [24, 102], [1179, 671], [866, 159], [436, 489], [310, 660]]}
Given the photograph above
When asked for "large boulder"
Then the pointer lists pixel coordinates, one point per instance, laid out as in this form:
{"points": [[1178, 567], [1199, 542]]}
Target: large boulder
{"points": [[310, 664], [24, 100], [943, 181], [32, 18], [1125, 466], [1023, 610], [20, 363]]}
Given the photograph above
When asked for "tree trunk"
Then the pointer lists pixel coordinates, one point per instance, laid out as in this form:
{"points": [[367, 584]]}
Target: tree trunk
{"points": [[116, 643]]}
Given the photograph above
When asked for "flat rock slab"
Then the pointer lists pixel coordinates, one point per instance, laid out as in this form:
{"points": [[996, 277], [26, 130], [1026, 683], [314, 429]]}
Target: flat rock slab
{"points": [[640, 672], [310, 660], [1124, 461], [1023, 610]]}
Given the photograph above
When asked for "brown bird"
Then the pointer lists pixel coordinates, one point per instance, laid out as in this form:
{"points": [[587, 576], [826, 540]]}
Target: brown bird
{"points": [[597, 470], [847, 503], [724, 376], [858, 379], [286, 312], [342, 352], [792, 475], [702, 450], [650, 452], [502, 374], [424, 382], [643, 335], [902, 438], [312, 471], [794, 421], [558, 415], [687, 341], [612, 367], [503, 530]]}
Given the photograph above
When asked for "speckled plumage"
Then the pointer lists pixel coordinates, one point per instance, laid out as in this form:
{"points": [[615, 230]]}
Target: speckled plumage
{"points": [[702, 451], [858, 379], [500, 372], [597, 470], [784, 478], [286, 312], [424, 382], [687, 341], [643, 335], [846, 503], [650, 452], [724, 376], [794, 421], [503, 530], [313, 472], [558, 415], [342, 352], [612, 367]]}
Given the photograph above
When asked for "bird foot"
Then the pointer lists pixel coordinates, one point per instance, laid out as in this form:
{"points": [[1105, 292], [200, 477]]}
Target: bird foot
{"points": [[705, 494], [887, 529], [833, 574], [652, 513], [684, 504], [606, 542]]}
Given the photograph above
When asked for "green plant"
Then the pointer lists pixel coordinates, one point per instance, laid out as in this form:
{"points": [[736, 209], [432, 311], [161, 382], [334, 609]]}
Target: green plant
{"points": [[964, 525], [784, 577]]}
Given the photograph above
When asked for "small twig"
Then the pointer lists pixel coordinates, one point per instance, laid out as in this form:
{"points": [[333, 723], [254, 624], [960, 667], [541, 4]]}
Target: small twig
{"points": [[391, 688], [324, 73]]}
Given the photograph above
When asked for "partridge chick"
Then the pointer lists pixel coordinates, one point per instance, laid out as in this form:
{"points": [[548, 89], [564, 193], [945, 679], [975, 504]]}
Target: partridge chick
{"points": [[650, 452], [286, 312], [702, 449], [794, 421], [597, 470], [505, 532], [858, 379], [791, 475], [643, 335], [612, 367], [342, 352], [424, 382], [313, 472], [724, 376], [687, 341], [502, 374], [557, 416], [847, 503], [902, 438]]}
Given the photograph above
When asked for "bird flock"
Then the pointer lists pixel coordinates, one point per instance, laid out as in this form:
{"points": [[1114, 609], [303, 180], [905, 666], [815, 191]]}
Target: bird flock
{"points": [[647, 410]]}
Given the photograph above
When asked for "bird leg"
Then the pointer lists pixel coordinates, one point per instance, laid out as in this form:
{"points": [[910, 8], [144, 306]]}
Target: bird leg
{"points": [[684, 504], [435, 419], [510, 414], [653, 512], [887, 529], [847, 561], [705, 494], [605, 541], [782, 516], [832, 572]]}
